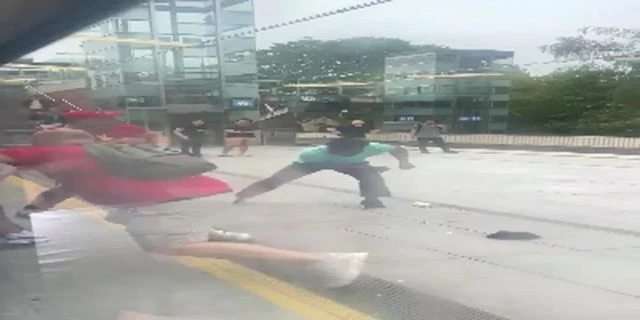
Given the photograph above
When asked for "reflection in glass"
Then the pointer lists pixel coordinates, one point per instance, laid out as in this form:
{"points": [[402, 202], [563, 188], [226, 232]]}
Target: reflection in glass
{"points": [[240, 61], [141, 26], [199, 73]]}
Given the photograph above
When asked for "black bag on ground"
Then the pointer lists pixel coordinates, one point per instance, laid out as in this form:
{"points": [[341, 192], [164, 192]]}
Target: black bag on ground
{"points": [[146, 163]]}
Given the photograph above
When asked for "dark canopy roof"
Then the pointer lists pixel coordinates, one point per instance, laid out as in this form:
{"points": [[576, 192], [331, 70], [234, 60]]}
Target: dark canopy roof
{"points": [[27, 25]]}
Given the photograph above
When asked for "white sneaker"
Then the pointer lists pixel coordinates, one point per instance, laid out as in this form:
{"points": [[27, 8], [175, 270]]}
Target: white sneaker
{"points": [[22, 234], [341, 269], [220, 235]]}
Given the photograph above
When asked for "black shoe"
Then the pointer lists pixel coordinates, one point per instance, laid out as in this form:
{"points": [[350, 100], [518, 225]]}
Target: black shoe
{"points": [[381, 169], [25, 213], [372, 204]]}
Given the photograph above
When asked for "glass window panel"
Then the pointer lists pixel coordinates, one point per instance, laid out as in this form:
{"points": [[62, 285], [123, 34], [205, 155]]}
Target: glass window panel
{"points": [[142, 53], [499, 119], [501, 90], [446, 88], [163, 24], [192, 40], [141, 26], [194, 4], [195, 29], [245, 6], [192, 62], [193, 17], [500, 104], [210, 61]]}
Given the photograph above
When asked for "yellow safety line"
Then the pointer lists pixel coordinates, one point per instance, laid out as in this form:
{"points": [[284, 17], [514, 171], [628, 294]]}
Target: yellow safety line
{"points": [[287, 296]]}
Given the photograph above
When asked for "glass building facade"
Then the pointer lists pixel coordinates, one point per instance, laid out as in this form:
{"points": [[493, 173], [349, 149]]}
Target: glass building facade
{"points": [[467, 90], [176, 57]]}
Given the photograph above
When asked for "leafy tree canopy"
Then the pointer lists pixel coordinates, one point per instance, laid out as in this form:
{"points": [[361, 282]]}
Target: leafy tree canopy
{"points": [[594, 44], [599, 96], [317, 61], [592, 98]]}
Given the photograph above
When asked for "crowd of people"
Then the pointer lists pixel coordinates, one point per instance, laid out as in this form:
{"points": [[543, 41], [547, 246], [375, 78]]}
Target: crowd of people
{"points": [[129, 169], [54, 147], [82, 158]]}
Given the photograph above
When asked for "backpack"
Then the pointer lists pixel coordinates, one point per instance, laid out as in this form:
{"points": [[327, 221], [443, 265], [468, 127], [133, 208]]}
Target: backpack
{"points": [[146, 163]]}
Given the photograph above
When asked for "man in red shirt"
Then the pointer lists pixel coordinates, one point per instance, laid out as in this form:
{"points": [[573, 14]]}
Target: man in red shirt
{"points": [[163, 227], [106, 127]]}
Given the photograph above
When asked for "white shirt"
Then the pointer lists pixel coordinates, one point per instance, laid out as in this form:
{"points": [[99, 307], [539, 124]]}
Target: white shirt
{"points": [[35, 105]]}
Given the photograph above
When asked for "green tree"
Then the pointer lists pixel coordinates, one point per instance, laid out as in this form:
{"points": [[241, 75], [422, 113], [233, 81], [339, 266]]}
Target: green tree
{"points": [[600, 96], [309, 60], [560, 102], [596, 43]]}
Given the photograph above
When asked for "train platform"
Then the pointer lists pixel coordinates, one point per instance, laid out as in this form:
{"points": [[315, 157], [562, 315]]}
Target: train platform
{"points": [[430, 256]]}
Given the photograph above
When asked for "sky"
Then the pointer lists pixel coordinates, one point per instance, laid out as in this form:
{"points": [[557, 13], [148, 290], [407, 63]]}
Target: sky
{"points": [[521, 26]]}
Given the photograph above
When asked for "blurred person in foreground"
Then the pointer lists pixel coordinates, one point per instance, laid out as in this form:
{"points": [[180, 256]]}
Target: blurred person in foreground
{"points": [[239, 136], [430, 132], [104, 126], [159, 190], [347, 155]]}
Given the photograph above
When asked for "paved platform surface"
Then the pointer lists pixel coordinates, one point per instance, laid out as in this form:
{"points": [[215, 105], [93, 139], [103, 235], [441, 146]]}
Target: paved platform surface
{"points": [[90, 270], [425, 263], [583, 206]]}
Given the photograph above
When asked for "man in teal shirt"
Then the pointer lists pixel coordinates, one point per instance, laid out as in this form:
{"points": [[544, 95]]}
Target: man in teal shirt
{"points": [[321, 154], [345, 155]]}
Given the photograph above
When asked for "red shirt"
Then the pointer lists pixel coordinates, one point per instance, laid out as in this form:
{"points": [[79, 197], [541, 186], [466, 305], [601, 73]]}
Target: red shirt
{"points": [[83, 175], [126, 130], [64, 157]]}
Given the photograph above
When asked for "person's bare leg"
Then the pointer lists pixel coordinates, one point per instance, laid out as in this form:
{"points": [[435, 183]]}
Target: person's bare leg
{"points": [[228, 146], [337, 269], [45, 200], [6, 225], [238, 250], [244, 146]]}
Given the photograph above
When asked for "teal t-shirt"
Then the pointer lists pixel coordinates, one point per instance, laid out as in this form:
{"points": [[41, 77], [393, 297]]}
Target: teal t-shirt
{"points": [[321, 154]]}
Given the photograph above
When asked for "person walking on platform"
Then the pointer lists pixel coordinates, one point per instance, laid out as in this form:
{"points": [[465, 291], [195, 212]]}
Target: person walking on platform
{"points": [[192, 136], [430, 132], [238, 136]]}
